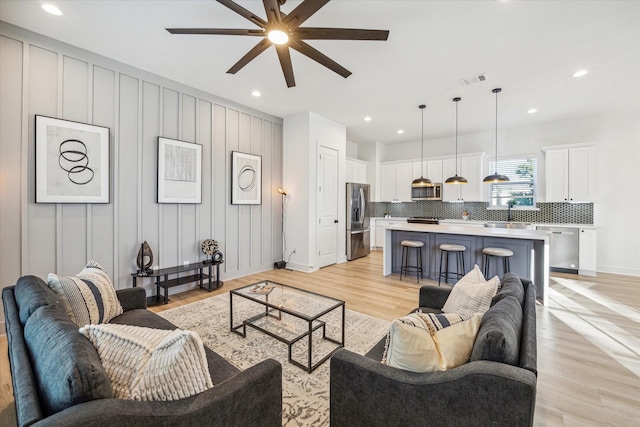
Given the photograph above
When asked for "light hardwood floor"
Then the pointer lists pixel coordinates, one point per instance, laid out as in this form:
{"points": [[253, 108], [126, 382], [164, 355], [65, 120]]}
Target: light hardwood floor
{"points": [[588, 336]]}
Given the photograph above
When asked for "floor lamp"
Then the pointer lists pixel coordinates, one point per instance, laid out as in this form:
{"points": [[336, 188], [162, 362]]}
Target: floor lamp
{"points": [[283, 263]]}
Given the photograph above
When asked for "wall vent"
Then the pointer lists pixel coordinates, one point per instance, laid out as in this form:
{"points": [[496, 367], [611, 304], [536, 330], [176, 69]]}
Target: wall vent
{"points": [[474, 79]]}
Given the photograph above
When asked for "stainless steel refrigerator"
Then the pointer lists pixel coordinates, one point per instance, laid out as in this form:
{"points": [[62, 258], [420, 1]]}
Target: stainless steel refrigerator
{"points": [[358, 244]]}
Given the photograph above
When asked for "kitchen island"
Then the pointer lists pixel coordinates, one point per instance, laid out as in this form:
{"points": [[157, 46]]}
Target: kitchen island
{"points": [[530, 249]]}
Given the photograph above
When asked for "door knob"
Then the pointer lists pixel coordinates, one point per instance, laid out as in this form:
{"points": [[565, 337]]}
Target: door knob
{"points": [[335, 221]]}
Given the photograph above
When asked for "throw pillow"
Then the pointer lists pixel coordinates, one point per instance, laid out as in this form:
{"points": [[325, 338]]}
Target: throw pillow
{"points": [[471, 295], [89, 297], [499, 335], [430, 342], [67, 367], [511, 285], [151, 364]]}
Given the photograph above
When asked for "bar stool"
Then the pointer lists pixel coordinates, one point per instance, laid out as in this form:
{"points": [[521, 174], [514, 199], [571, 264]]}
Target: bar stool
{"points": [[406, 245], [447, 248], [503, 253]]}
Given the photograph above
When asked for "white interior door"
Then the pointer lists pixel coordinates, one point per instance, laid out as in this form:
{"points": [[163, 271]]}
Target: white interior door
{"points": [[327, 232]]}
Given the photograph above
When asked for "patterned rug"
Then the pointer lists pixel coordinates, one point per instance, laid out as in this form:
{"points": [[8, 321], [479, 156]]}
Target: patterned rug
{"points": [[305, 396]]}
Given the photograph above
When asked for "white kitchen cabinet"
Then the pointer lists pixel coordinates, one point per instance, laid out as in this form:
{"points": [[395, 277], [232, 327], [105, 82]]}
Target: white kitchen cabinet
{"points": [[381, 224], [395, 182], [356, 171], [430, 169], [569, 174], [434, 171], [468, 167], [587, 252]]}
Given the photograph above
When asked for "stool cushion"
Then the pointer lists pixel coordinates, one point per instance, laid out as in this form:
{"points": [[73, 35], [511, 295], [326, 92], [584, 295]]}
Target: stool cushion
{"points": [[497, 252], [471, 295], [452, 247], [412, 243]]}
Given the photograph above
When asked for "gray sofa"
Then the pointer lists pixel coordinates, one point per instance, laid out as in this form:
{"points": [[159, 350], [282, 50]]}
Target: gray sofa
{"points": [[58, 379], [497, 387]]}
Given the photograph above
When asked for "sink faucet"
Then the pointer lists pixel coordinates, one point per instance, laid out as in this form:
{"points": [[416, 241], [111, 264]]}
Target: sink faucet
{"points": [[510, 204]]}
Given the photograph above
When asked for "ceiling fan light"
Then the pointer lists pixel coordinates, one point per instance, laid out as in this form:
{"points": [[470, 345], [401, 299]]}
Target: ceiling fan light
{"points": [[278, 37]]}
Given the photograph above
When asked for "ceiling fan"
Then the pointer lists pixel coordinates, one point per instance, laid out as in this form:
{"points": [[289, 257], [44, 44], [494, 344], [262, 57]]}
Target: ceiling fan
{"points": [[284, 32]]}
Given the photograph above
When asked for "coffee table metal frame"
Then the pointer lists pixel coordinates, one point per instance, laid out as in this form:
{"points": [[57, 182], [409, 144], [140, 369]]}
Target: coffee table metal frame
{"points": [[275, 311]]}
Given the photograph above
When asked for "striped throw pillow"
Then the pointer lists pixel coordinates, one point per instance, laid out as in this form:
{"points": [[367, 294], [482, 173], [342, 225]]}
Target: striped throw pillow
{"points": [[88, 297], [151, 364]]}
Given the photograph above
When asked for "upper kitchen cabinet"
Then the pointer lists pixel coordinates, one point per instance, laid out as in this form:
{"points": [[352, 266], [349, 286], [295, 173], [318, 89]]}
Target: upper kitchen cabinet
{"points": [[395, 182], [356, 171], [430, 169], [469, 167], [569, 174]]}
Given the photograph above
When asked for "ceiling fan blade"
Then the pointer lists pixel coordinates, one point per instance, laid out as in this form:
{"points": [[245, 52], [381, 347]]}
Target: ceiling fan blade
{"points": [[285, 61], [297, 16], [341, 34], [272, 7], [319, 57], [217, 31], [243, 12], [257, 50]]}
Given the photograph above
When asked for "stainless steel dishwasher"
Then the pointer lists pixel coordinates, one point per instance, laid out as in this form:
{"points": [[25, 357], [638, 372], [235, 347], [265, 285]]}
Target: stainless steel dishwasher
{"points": [[563, 248]]}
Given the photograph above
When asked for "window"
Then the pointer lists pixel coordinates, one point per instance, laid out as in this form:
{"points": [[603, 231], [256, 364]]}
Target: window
{"points": [[522, 185]]}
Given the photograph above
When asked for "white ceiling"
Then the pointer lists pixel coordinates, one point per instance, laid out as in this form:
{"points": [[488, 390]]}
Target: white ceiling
{"points": [[528, 48]]}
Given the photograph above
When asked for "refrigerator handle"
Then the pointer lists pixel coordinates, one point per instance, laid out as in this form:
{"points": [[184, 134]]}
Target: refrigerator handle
{"points": [[362, 205]]}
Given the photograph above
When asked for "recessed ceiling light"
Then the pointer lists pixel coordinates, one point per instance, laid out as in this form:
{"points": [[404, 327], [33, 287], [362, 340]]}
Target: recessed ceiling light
{"points": [[532, 110], [367, 119], [579, 73], [52, 9], [256, 93], [400, 131]]}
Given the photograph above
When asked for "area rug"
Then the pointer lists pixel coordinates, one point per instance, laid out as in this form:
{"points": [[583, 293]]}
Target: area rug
{"points": [[305, 396]]}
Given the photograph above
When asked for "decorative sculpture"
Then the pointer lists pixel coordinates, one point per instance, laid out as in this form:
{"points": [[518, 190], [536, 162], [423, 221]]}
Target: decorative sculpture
{"points": [[144, 254], [209, 246]]}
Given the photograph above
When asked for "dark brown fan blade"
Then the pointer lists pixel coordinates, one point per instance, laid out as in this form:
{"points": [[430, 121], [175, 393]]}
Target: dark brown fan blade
{"points": [[215, 31], [301, 13], [319, 57], [285, 62], [272, 8], [243, 12], [341, 34], [257, 50]]}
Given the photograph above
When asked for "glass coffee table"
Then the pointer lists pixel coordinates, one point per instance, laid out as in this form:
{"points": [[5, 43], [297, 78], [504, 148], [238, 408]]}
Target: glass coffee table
{"points": [[289, 315]]}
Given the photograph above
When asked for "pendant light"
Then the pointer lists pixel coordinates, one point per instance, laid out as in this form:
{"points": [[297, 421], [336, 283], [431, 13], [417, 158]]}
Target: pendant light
{"points": [[456, 179], [422, 182], [496, 177]]}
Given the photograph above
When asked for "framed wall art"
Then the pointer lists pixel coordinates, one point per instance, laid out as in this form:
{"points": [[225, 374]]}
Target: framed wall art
{"points": [[246, 179], [179, 171], [72, 162]]}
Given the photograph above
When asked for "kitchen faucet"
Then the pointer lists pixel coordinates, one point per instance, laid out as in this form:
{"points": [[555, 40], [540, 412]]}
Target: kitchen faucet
{"points": [[510, 204]]}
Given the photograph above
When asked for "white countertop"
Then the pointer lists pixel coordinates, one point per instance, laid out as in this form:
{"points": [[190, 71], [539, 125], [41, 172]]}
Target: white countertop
{"points": [[471, 230], [477, 223]]}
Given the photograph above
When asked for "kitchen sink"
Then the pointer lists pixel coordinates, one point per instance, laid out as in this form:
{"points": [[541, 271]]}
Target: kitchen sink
{"points": [[510, 224]]}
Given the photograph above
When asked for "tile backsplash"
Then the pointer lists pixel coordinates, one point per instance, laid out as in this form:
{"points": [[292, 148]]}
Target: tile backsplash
{"points": [[549, 213]]}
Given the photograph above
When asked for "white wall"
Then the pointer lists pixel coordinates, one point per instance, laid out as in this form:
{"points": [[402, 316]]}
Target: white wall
{"points": [[46, 77], [303, 134]]}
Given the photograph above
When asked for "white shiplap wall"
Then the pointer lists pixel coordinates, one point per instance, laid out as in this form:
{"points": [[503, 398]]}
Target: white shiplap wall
{"points": [[46, 77]]}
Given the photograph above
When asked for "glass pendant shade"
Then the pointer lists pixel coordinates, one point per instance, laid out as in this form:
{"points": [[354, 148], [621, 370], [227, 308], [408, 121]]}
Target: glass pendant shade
{"points": [[422, 182], [496, 177], [456, 179]]}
